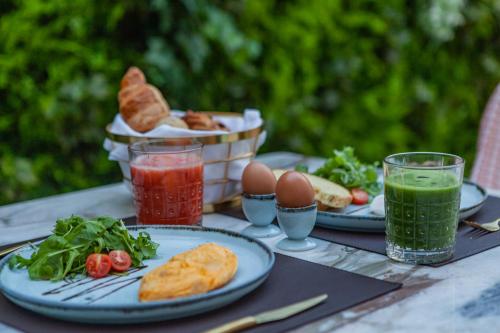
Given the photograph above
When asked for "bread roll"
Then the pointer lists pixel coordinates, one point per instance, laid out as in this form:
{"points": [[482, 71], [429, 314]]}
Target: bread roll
{"points": [[172, 121], [202, 121]]}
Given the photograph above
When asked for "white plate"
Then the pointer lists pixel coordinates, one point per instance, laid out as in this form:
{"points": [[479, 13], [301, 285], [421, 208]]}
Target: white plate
{"points": [[359, 218], [115, 299]]}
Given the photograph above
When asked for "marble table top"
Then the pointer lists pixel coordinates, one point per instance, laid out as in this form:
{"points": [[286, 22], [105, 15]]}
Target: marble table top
{"points": [[460, 297]]}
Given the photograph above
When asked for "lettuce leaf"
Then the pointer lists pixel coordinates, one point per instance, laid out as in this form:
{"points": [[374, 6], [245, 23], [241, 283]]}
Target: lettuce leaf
{"points": [[345, 169]]}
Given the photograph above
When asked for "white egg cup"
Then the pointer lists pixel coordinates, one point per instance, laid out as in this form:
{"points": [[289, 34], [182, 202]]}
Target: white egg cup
{"points": [[297, 223], [260, 210]]}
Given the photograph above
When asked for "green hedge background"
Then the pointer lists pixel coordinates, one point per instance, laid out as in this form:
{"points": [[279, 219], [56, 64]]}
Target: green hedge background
{"points": [[382, 76]]}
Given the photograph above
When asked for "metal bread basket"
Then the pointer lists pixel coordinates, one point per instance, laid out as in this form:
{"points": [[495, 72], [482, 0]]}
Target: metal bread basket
{"points": [[233, 151]]}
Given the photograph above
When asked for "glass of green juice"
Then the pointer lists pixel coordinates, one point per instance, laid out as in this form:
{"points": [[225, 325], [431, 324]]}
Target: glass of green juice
{"points": [[422, 204]]}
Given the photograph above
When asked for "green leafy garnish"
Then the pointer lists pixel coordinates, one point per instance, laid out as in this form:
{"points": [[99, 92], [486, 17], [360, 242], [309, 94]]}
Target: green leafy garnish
{"points": [[301, 168], [345, 169], [64, 252]]}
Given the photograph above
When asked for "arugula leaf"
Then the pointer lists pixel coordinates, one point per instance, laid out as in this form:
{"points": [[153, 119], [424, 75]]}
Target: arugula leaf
{"points": [[64, 252], [344, 168], [145, 245]]}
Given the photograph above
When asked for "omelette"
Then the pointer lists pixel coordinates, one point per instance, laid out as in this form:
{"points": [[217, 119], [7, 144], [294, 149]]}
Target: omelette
{"points": [[196, 271]]}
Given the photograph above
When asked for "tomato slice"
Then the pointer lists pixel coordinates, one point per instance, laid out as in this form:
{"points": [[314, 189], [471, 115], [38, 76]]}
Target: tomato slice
{"points": [[98, 265], [359, 196], [120, 260]]}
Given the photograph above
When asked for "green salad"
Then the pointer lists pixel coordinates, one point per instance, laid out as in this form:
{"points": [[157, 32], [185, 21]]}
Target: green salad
{"points": [[65, 252], [344, 168]]}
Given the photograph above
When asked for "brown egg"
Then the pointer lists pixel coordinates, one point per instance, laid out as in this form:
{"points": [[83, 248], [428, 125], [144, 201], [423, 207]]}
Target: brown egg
{"points": [[258, 179], [294, 190]]}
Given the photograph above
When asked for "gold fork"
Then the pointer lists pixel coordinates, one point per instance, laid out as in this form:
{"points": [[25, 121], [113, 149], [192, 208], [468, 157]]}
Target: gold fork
{"points": [[489, 227]]}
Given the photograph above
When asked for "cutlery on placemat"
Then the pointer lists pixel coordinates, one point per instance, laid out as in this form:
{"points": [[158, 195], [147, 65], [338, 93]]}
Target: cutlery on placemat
{"points": [[11, 249], [268, 316], [485, 227]]}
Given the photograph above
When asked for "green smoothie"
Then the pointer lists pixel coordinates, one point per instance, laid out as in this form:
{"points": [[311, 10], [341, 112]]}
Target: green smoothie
{"points": [[421, 209]]}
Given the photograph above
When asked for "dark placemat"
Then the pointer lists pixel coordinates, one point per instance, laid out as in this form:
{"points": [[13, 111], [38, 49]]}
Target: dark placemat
{"points": [[468, 243], [291, 280]]}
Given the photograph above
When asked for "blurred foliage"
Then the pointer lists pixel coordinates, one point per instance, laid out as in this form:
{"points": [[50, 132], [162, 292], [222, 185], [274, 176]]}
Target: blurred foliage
{"points": [[381, 76]]}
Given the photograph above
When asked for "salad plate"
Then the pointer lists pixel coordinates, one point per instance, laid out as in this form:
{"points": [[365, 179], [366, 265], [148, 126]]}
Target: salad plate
{"points": [[114, 299], [361, 219]]}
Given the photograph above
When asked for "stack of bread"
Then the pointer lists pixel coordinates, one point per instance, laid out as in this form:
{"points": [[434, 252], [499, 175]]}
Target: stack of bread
{"points": [[143, 107]]}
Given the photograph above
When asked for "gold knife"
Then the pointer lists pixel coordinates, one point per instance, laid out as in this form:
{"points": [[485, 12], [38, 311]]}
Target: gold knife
{"points": [[11, 249], [268, 316]]}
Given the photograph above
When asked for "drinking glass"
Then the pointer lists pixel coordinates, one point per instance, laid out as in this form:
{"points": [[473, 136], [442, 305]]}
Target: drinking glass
{"points": [[422, 203], [167, 181]]}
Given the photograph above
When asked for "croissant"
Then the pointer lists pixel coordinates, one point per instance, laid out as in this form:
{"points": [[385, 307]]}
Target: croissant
{"points": [[141, 104], [133, 76], [202, 121]]}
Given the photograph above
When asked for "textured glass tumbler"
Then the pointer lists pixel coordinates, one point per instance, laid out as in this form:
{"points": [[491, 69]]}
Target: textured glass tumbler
{"points": [[167, 181], [422, 204]]}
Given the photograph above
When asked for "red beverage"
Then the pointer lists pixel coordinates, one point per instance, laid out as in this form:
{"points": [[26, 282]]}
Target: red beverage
{"points": [[168, 188]]}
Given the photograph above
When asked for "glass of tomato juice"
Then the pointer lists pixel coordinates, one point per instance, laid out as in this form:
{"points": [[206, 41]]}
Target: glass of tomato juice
{"points": [[167, 181]]}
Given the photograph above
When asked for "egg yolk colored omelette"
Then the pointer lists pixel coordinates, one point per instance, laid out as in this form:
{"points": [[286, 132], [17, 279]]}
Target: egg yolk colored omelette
{"points": [[199, 270]]}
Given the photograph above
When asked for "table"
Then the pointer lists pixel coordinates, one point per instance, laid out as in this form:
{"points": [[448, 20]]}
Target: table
{"points": [[459, 297]]}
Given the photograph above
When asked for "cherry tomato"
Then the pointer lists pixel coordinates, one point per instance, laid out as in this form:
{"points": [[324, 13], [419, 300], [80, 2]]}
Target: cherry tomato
{"points": [[120, 260], [359, 197], [98, 265]]}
